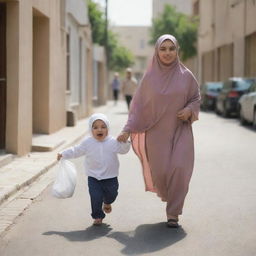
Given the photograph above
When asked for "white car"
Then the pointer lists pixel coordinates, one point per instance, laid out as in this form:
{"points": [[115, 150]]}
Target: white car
{"points": [[247, 107]]}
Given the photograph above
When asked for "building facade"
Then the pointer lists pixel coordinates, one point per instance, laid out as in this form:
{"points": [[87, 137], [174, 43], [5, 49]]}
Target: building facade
{"points": [[45, 69], [31, 75], [100, 88], [226, 39], [183, 6], [136, 39], [79, 52]]}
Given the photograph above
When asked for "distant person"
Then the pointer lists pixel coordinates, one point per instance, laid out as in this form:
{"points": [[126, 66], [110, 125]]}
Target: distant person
{"points": [[160, 125], [116, 87], [101, 165], [129, 86]]}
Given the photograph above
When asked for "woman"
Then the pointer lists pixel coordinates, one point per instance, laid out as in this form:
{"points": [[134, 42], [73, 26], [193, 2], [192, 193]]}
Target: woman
{"points": [[159, 123]]}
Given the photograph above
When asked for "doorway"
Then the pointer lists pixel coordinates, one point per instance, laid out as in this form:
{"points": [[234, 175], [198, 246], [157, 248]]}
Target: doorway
{"points": [[41, 80]]}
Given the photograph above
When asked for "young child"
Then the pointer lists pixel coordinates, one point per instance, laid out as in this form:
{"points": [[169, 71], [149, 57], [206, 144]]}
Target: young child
{"points": [[101, 165]]}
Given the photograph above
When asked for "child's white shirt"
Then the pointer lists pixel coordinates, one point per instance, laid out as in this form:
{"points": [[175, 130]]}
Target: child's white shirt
{"points": [[101, 160]]}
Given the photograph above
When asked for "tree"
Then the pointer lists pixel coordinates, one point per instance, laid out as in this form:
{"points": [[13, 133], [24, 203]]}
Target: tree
{"points": [[183, 27], [119, 57], [97, 23]]}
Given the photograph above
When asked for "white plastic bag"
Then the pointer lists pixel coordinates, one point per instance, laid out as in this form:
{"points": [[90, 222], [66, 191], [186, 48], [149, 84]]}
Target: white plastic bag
{"points": [[65, 183]]}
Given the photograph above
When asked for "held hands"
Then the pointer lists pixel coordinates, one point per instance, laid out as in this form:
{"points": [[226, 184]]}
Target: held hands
{"points": [[59, 156], [184, 114], [123, 136]]}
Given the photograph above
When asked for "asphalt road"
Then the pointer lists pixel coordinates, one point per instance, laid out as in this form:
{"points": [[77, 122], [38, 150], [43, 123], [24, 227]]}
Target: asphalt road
{"points": [[218, 219]]}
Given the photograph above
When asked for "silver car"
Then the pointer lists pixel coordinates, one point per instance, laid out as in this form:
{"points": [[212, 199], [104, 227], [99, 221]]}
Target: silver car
{"points": [[247, 107]]}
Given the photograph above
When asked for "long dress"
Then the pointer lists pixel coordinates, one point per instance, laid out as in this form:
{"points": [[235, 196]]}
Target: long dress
{"points": [[171, 159], [166, 152]]}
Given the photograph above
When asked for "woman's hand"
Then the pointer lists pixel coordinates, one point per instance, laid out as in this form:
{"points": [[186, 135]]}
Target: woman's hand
{"points": [[123, 136], [184, 114], [59, 156]]}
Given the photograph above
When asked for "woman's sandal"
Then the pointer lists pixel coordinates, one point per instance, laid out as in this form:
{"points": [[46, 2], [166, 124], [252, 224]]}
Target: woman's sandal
{"points": [[107, 208], [97, 222], [173, 223]]}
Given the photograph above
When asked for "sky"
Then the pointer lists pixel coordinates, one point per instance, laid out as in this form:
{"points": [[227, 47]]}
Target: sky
{"points": [[129, 12]]}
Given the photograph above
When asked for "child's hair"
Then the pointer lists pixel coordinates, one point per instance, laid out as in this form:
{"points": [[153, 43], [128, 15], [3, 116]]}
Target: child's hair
{"points": [[98, 116]]}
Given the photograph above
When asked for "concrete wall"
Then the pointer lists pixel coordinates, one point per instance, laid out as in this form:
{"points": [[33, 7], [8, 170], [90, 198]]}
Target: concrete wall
{"points": [[100, 85], [41, 74], [57, 115], [80, 80], [35, 73], [183, 6], [19, 77], [224, 25]]}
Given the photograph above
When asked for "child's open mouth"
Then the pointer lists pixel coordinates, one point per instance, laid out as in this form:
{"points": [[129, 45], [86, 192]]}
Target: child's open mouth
{"points": [[100, 135]]}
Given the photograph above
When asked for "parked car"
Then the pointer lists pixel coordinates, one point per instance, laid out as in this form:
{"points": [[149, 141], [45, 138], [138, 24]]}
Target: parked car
{"points": [[247, 106], [233, 89], [209, 93]]}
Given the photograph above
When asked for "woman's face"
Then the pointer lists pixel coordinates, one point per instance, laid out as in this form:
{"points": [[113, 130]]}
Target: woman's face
{"points": [[167, 52]]}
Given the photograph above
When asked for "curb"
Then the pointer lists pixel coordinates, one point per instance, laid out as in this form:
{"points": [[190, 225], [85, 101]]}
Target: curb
{"points": [[9, 191], [39, 172], [35, 172]]}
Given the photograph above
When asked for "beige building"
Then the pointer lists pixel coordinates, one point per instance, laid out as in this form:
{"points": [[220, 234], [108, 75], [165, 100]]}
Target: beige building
{"points": [[183, 6], [31, 73], [34, 74], [136, 39], [79, 52], [226, 39], [100, 85]]}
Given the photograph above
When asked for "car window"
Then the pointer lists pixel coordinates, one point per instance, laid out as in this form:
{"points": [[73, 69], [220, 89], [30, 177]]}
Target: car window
{"points": [[253, 88], [214, 86], [242, 84], [226, 85]]}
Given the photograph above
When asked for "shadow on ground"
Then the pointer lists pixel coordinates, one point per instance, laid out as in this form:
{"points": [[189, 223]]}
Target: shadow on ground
{"points": [[148, 238], [91, 233]]}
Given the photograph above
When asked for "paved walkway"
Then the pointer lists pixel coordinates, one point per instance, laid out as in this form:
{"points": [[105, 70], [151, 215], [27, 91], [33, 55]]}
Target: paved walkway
{"points": [[21, 172], [219, 212]]}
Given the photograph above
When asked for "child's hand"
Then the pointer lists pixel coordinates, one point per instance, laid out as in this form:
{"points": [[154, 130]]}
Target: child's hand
{"points": [[59, 156], [123, 136]]}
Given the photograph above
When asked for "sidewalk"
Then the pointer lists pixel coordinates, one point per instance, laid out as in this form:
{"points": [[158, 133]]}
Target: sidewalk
{"points": [[23, 171]]}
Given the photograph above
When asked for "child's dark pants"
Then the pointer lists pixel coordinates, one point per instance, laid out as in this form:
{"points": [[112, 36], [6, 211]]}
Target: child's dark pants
{"points": [[102, 191]]}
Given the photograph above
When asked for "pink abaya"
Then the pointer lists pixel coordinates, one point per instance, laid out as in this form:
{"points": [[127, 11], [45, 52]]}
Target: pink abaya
{"points": [[164, 143]]}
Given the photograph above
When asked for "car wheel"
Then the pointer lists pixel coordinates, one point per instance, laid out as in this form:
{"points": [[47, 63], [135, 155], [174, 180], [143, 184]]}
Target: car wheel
{"points": [[254, 119], [241, 117], [225, 111], [217, 110]]}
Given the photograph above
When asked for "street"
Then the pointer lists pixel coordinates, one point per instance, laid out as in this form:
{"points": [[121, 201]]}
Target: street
{"points": [[218, 217]]}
